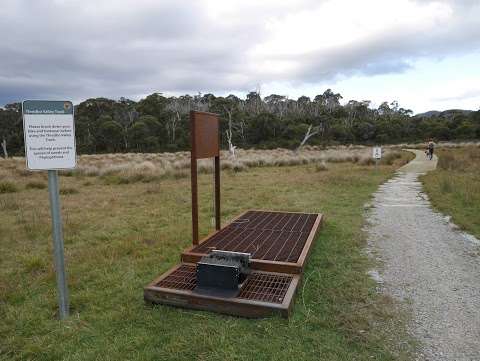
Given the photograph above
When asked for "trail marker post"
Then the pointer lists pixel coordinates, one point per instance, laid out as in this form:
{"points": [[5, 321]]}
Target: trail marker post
{"points": [[377, 155], [49, 132]]}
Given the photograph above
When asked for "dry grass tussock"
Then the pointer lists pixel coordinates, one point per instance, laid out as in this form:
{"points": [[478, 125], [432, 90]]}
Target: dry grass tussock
{"points": [[440, 145], [178, 164], [466, 160], [454, 188], [155, 165]]}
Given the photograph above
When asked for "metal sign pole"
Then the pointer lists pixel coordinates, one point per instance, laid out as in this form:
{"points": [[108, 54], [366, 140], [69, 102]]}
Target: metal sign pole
{"points": [[58, 243]]}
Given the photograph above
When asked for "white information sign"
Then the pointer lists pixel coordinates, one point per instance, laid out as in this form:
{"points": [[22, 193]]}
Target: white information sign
{"points": [[377, 152], [49, 132]]}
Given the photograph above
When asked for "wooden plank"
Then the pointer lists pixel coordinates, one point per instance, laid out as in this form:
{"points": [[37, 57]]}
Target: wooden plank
{"points": [[311, 237], [290, 295], [289, 212], [243, 309]]}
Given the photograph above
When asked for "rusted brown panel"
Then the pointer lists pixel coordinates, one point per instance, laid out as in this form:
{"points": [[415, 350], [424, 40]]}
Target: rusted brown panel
{"points": [[282, 237], [205, 135]]}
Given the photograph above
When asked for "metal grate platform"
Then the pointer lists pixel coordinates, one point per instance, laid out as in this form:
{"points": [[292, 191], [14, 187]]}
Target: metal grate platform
{"points": [[272, 236], [262, 294], [277, 241], [265, 287], [184, 278]]}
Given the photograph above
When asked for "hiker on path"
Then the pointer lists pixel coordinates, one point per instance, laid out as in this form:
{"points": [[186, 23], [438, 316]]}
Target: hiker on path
{"points": [[430, 148]]}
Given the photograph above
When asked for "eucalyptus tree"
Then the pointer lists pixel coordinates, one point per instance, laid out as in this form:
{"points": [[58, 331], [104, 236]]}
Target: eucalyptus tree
{"points": [[125, 115], [329, 100], [178, 107], [276, 104], [254, 103], [304, 106], [229, 109], [11, 134]]}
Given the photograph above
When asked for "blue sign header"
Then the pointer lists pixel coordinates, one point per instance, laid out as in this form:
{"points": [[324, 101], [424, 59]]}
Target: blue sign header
{"points": [[47, 107]]}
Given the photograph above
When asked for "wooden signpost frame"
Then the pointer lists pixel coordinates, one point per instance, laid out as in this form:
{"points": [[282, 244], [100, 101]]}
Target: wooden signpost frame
{"points": [[205, 139]]}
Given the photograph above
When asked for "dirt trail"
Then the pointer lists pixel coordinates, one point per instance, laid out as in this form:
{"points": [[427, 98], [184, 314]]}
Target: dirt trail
{"points": [[429, 265]]}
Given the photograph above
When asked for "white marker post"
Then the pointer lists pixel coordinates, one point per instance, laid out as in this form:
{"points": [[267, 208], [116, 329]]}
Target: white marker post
{"points": [[377, 155], [49, 132]]}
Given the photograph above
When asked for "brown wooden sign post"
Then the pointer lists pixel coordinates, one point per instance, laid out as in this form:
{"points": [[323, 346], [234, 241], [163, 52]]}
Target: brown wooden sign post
{"points": [[205, 138]]}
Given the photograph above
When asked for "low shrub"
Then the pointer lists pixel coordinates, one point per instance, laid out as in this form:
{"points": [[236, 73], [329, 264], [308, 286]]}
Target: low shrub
{"points": [[8, 187], [34, 264], [8, 203], [115, 180], [67, 191], [446, 186], [35, 185], [67, 173], [390, 158], [321, 167], [367, 161], [447, 161], [181, 174]]}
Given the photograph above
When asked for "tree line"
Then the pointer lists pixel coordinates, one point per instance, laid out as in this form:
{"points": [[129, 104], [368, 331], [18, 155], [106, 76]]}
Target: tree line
{"points": [[159, 123]]}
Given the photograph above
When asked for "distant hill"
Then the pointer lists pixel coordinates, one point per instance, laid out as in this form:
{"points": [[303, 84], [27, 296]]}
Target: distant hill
{"points": [[444, 114]]}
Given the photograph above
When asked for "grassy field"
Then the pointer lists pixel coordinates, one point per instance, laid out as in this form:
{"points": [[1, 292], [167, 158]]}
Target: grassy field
{"points": [[120, 235], [454, 188]]}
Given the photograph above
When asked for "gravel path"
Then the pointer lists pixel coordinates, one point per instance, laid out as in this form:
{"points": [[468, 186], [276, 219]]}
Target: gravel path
{"points": [[429, 265]]}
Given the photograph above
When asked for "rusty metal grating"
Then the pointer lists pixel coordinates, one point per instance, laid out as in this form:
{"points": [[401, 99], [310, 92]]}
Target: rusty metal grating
{"points": [[264, 287], [183, 278], [273, 236]]}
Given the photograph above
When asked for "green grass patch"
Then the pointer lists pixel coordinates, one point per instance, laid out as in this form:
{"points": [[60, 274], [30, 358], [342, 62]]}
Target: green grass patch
{"points": [[68, 191], [117, 242], [8, 202], [36, 185], [8, 187], [454, 187], [129, 179]]}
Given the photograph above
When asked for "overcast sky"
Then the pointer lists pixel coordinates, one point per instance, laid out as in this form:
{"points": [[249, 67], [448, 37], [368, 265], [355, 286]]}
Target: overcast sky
{"points": [[425, 54]]}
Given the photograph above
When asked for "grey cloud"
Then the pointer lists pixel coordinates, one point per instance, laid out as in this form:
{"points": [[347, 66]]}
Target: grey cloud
{"points": [[471, 93], [391, 52], [160, 48], [77, 49]]}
